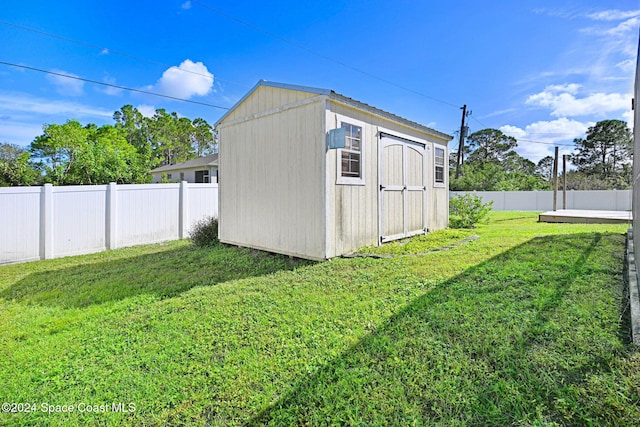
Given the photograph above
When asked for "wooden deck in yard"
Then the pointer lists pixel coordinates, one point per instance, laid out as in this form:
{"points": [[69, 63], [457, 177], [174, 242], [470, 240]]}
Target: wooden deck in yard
{"points": [[586, 216]]}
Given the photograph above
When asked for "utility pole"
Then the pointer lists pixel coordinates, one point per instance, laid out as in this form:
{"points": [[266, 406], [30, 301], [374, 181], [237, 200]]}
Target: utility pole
{"points": [[463, 134], [555, 181], [564, 181]]}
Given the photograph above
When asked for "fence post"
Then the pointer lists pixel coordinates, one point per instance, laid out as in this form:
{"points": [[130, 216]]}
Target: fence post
{"points": [[184, 210], [46, 222], [111, 217]]}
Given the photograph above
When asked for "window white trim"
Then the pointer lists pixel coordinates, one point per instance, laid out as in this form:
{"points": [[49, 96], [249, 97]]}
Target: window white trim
{"points": [[442, 183], [345, 180]]}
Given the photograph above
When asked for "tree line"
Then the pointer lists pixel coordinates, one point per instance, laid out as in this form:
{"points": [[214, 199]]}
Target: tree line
{"points": [[602, 160], [125, 152]]}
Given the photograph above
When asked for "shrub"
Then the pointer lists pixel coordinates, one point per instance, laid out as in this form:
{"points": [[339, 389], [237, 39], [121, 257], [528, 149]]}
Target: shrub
{"points": [[204, 232], [468, 210]]}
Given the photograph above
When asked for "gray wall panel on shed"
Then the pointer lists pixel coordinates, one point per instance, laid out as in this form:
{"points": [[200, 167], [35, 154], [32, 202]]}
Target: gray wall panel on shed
{"points": [[271, 182], [266, 98], [439, 204], [353, 209], [636, 162]]}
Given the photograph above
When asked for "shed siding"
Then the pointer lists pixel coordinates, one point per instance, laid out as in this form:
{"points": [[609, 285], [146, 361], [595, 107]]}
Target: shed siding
{"points": [[352, 216], [352, 210], [438, 217], [271, 181], [415, 178], [278, 180], [393, 175], [266, 98], [438, 196]]}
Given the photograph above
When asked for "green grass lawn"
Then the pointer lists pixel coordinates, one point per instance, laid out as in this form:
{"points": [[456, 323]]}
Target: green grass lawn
{"points": [[526, 325]]}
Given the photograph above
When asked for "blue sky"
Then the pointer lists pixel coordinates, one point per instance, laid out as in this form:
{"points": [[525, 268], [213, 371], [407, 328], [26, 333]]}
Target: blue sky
{"points": [[542, 71]]}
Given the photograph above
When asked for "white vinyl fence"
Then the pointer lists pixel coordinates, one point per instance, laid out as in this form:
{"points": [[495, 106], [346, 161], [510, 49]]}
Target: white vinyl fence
{"points": [[50, 222], [607, 200]]}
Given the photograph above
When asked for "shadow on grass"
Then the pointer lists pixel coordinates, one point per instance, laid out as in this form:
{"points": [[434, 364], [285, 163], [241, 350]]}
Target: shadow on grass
{"points": [[514, 218], [163, 274], [512, 341]]}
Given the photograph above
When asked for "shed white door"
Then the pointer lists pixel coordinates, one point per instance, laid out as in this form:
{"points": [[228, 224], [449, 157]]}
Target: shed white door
{"points": [[402, 200]]}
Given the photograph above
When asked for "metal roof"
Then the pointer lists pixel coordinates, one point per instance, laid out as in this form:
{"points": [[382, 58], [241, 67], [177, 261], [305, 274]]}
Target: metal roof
{"points": [[340, 98], [211, 160]]}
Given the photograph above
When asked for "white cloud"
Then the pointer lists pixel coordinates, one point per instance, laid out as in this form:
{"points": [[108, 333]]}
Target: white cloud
{"points": [[628, 66], [537, 139], [66, 85], [627, 116], [628, 26], [613, 15], [109, 90], [185, 81], [559, 12], [562, 101], [551, 132], [602, 59], [621, 29], [513, 131], [186, 5], [619, 39], [571, 88], [22, 115], [11, 103], [498, 113], [146, 110], [601, 51], [18, 132]]}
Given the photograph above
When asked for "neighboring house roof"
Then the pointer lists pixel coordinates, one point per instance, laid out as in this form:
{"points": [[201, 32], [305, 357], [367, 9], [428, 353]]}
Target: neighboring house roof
{"points": [[211, 160], [341, 98]]}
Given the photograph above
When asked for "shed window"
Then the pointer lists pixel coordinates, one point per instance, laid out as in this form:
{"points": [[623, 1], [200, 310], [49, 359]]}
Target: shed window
{"points": [[439, 165], [350, 157]]}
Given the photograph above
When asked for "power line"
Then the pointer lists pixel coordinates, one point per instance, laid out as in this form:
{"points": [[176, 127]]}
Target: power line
{"points": [[115, 52], [547, 143], [313, 52], [551, 133], [231, 17], [112, 85], [482, 124], [182, 99]]}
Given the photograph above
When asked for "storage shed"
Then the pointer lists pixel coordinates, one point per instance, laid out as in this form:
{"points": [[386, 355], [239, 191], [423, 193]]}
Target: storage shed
{"points": [[314, 174]]}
